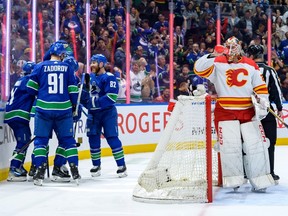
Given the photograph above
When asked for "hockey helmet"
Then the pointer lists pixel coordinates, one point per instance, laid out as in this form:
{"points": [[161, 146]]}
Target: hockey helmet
{"points": [[72, 62], [234, 48], [65, 44], [57, 49], [28, 67], [99, 58], [255, 50]]}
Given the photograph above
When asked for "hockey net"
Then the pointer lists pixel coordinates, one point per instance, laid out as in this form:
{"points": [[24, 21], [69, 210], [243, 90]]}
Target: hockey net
{"points": [[181, 168]]}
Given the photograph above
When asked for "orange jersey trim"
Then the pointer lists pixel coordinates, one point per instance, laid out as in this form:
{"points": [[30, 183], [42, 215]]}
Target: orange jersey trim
{"points": [[235, 102], [262, 89], [205, 73]]}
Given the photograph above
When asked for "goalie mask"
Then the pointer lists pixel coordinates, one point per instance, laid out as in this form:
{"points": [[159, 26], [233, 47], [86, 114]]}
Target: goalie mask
{"points": [[234, 48]]}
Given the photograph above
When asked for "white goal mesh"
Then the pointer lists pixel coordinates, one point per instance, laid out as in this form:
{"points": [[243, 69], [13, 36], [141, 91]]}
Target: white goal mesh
{"points": [[181, 166]]}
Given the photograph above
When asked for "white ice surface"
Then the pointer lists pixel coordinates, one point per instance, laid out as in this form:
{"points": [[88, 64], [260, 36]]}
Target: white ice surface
{"points": [[110, 195]]}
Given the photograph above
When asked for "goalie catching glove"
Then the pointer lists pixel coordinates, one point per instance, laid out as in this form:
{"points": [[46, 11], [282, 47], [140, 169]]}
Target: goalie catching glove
{"points": [[261, 106]]}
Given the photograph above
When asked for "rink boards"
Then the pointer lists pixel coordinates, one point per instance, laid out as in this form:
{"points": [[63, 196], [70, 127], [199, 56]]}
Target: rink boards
{"points": [[140, 127]]}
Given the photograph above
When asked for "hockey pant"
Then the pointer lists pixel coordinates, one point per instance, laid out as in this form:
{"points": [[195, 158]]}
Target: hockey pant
{"points": [[22, 135]]}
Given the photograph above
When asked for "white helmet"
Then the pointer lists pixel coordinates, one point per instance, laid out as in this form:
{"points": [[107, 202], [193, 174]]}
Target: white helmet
{"points": [[234, 48]]}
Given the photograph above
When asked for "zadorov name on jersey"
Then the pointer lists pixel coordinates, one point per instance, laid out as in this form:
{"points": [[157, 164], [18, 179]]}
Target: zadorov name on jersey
{"points": [[50, 68]]}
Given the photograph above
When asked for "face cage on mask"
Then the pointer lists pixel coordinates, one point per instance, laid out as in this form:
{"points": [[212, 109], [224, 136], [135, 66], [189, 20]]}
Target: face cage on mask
{"points": [[233, 53]]}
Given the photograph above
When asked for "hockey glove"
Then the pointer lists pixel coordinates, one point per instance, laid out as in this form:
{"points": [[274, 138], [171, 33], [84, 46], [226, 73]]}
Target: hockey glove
{"points": [[260, 109], [85, 97], [77, 116], [264, 103]]}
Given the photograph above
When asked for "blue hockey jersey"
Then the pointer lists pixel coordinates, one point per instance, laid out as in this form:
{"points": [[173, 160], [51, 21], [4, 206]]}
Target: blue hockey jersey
{"points": [[54, 84], [20, 102], [105, 88]]}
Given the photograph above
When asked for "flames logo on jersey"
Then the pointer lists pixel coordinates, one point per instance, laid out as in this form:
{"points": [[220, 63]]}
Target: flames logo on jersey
{"points": [[233, 77]]}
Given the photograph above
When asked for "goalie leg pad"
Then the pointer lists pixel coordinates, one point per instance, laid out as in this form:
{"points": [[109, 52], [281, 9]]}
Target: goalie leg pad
{"points": [[256, 158], [231, 153]]}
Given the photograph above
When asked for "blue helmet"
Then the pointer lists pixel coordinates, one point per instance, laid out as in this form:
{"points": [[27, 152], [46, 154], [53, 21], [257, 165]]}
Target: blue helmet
{"points": [[99, 58], [72, 62], [28, 67], [57, 49]]}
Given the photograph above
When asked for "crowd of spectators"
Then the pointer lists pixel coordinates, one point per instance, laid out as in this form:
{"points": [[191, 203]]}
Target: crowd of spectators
{"points": [[194, 35]]}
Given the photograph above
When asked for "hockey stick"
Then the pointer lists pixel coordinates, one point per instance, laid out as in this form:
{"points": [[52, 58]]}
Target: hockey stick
{"points": [[22, 149], [278, 117], [77, 105], [48, 171]]}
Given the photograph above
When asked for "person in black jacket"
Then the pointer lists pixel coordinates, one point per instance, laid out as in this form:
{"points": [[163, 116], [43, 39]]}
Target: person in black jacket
{"points": [[270, 76]]}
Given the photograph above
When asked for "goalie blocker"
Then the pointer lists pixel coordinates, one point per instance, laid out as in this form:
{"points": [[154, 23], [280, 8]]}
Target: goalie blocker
{"points": [[254, 156]]}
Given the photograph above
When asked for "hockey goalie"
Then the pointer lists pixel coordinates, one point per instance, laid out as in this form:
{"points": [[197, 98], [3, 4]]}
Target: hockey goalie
{"points": [[241, 139]]}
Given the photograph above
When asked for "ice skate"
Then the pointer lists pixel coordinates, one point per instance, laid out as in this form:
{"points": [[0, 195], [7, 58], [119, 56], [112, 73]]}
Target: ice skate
{"points": [[17, 175], [262, 190], [276, 178], [235, 189], [75, 173], [95, 171], [32, 172], [122, 171], [60, 174], [39, 175]]}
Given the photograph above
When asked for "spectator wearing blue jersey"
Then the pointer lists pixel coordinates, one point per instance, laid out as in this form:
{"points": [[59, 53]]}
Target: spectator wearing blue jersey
{"points": [[17, 116], [117, 10], [54, 84], [102, 114]]}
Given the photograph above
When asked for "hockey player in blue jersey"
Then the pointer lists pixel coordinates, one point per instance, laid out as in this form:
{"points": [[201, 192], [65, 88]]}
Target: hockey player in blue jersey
{"points": [[60, 172], [17, 116], [54, 84], [102, 114]]}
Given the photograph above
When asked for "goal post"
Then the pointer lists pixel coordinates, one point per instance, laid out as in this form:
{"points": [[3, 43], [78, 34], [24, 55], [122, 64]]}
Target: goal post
{"points": [[180, 169]]}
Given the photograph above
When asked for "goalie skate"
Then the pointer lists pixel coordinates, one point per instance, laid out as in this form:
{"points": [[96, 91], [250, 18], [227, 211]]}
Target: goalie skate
{"points": [[262, 190], [122, 171]]}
